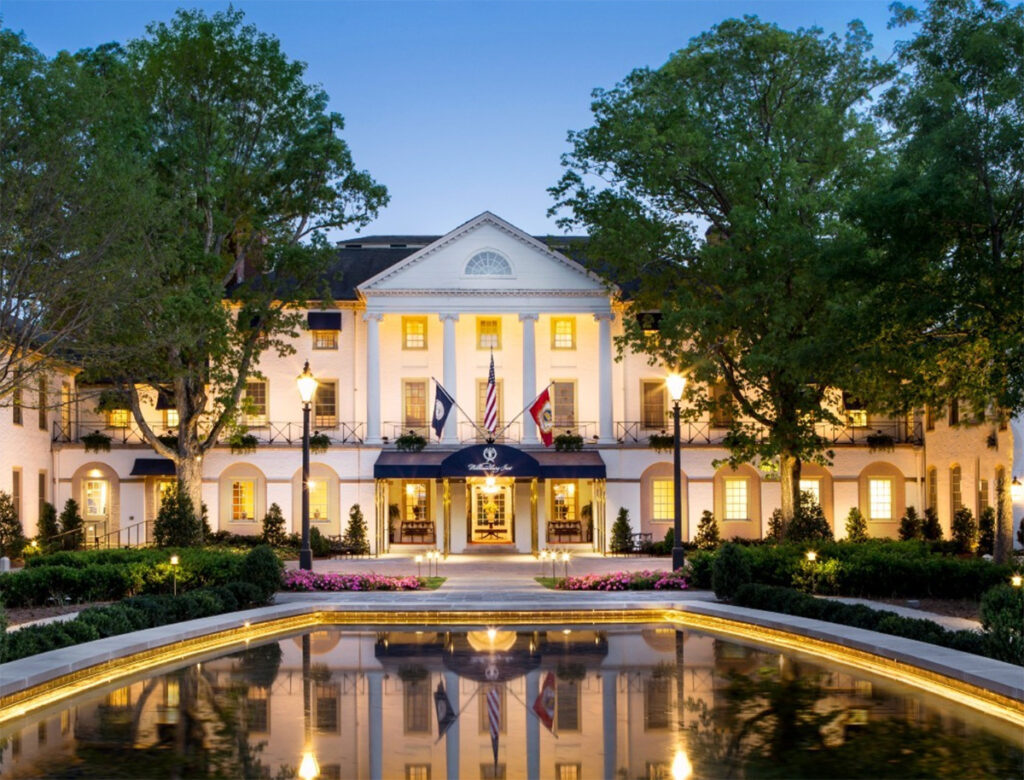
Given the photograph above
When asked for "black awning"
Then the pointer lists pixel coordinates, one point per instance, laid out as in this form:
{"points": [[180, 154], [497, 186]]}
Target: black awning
{"points": [[586, 464], [324, 320], [165, 400], [490, 460], [153, 467], [408, 465]]}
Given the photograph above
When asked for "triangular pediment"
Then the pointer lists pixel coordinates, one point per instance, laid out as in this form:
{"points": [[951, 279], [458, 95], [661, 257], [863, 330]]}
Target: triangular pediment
{"points": [[507, 260]]}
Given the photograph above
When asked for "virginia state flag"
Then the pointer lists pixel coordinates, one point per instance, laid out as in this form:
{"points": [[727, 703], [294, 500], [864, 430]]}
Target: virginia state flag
{"points": [[544, 705], [442, 408], [544, 417]]}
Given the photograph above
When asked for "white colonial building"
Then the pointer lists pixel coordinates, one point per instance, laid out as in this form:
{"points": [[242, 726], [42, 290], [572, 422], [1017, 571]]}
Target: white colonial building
{"points": [[410, 311]]}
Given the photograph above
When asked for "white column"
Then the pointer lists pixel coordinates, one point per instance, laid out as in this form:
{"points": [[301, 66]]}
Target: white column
{"points": [[373, 376], [375, 704], [529, 375], [451, 431], [451, 747], [606, 422], [533, 726]]}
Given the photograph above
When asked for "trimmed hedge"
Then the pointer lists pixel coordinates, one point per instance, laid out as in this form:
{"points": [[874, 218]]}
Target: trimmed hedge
{"points": [[876, 568], [792, 602], [133, 614]]}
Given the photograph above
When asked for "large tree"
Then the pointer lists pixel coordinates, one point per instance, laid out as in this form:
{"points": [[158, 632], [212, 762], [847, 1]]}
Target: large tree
{"points": [[947, 218], [250, 172], [72, 200], [716, 184]]}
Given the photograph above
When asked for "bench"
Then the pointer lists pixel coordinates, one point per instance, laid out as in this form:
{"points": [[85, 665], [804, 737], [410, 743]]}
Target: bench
{"points": [[417, 528]]}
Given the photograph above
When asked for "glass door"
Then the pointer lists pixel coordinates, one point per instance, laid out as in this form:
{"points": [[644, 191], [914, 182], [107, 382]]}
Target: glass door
{"points": [[491, 511], [96, 514]]}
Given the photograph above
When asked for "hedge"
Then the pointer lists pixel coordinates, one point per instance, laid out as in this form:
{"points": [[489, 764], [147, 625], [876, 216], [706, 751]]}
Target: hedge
{"points": [[792, 602], [878, 568]]}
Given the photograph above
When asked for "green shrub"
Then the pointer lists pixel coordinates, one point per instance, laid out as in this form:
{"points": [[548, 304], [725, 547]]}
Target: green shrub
{"points": [[12, 539], [274, 527], [775, 526], [48, 527], [263, 569], [910, 526], [355, 535], [819, 576], [177, 524], [731, 569], [622, 533], [964, 530], [318, 543], [986, 531], [71, 521], [1002, 618], [707, 532], [931, 528], [808, 523], [856, 526], [700, 563]]}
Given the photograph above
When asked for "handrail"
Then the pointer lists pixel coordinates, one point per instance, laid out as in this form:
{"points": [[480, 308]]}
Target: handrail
{"points": [[141, 536]]}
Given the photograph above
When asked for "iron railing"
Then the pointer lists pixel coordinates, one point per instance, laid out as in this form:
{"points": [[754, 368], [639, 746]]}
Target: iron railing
{"points": [[879, 434], [289, 433], [135, 535]]}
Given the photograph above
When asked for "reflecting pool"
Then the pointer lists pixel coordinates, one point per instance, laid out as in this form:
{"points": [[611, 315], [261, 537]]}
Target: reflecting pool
{"points": [[553, 702]]}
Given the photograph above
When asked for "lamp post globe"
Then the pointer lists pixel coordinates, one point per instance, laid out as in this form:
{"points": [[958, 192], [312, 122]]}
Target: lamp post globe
{"points": [[307, 389], [676, 384]]}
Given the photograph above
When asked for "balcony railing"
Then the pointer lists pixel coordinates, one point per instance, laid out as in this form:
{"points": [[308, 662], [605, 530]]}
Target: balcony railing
{"points": [[287, 433], [878, 434]]}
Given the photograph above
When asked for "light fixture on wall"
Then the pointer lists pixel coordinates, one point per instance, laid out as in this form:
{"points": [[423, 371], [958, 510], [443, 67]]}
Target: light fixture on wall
{"points": [[676, 384], [307, 389], [1016, 490]]}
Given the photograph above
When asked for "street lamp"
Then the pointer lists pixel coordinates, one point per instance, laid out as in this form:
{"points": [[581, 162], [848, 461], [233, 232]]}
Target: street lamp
{"points": [[676, 383], [307, 389]]}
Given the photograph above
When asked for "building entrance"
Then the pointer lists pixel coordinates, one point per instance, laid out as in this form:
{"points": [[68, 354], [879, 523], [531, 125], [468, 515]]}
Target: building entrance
{"points": [[491, 510]]}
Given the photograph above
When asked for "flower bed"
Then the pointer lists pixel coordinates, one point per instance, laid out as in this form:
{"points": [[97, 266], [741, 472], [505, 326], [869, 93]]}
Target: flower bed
{"points": [[301, 580], [625, 580]]}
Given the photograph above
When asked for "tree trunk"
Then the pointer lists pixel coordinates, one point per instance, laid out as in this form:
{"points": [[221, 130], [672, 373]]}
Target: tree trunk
{"points": [[189, 468], [789, 478], [1003, 548]]}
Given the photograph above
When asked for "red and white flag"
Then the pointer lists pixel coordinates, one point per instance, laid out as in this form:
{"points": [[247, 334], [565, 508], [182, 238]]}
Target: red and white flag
{"points": [[544, 417], [494, 719], [491, 402], [544, 705]]}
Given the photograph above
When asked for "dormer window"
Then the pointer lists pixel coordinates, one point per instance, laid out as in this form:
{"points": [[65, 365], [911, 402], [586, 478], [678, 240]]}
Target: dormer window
{"points": [[488, 263]]}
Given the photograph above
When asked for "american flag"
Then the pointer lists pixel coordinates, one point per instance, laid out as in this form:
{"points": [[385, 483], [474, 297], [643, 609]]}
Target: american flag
{"points": [[491, 403], [494, 718]]}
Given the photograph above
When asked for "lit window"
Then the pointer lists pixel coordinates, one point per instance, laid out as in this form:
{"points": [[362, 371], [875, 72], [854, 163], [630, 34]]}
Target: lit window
{"points": [[414, 332], [567, 771], [662, 500], [880, 499], [172, 693], [254, 403], [117, 418], [736, 499], [96, 491], [243, 500], [257, 709], [170, 418], [812, 486], [417, 772], [982, 495], [318, 501], [563, 333], [488, 333], [325, 339], [120, 698], [488, 263], [16, 492], [416, 501], [414, 404], [857, 418], [653, 414], [325, 407], [565, 501]]}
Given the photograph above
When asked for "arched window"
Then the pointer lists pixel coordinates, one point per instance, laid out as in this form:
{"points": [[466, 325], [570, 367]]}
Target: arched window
{"points": [[488, 263], [956, 496], [933, 488]]}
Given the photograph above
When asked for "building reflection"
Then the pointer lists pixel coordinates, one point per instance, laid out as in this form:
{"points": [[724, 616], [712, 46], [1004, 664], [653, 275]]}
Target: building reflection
{"points": [[629, 702]]}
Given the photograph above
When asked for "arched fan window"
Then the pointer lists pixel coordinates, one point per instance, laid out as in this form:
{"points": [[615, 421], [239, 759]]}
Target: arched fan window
{"points": [[488, 263]]}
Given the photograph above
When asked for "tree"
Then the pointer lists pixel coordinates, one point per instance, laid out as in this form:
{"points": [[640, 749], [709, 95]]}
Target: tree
{"points": [[12, 538], [910, 525], [856, 526], [622, 533], [48, 526], [250, 172], [809, 524], [707, 532], [947, 221], [273, 527], [71, 526], [177, 524], [728, 170], [71, 199], [355, 534], [964, 530], [931, 528], [986, 530]]}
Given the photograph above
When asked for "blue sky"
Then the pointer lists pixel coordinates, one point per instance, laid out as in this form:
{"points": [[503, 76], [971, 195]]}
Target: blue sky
{"points": [[458, 107]]}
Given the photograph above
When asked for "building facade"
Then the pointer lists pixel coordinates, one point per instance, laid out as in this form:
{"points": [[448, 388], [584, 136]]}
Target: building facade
{"points": [[410, 312]]}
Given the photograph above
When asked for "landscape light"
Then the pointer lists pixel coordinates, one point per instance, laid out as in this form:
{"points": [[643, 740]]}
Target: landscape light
{"points": [[812, 556], [309, 768]]}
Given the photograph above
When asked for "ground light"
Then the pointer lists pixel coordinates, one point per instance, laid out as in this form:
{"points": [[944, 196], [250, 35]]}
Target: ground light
{"points": [[676, 384], [812, 556], [1017, 580], [307, 389], [681, 766], [174, 572], [309, 768]]}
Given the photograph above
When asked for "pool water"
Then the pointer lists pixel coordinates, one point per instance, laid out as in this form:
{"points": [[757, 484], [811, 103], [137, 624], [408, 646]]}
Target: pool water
{"points": [[551, 702]]}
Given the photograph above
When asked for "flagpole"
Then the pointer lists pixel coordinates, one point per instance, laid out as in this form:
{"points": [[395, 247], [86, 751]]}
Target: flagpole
{"points": [[525, 408], [455, 403]]}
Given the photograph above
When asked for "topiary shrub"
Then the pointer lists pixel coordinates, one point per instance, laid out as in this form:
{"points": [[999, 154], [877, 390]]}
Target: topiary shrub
{"points": [[730, 570], [856, 526], [808, 523], [1002, 618], [263, 569], [319, 544], [273, 527], [12, 540], [910, 526], [49, 527], [622, 533], [774, 532], [355, 535], [818, 577], [71, 520], [964, 530], [931, 528], [707, 532], [177, 524], [986, 531]]}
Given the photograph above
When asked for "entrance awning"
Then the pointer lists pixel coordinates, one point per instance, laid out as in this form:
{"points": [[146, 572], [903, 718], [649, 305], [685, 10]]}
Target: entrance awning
{"points": [[153, 467], [495, 460]]}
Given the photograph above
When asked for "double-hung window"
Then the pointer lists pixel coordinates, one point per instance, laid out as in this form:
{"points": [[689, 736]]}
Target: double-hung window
{"points": [[488, 333], [254, 403], [880, 499], [564, 395], [325, 404], [653, 411], [414, 404], [736, 498], [663, 500], [563, 333], [414, 332]]}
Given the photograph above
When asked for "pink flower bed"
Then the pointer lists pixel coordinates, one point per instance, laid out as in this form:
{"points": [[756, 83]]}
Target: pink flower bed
{"points": [[298, 579], [625, 580]]}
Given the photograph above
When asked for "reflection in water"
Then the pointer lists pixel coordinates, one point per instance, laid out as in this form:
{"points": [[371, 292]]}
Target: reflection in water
{"points": [[622, 703]]}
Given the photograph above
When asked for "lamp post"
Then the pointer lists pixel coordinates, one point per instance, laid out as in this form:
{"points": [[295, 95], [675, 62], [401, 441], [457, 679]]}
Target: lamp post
{"points": [[174, 572], [676, 384], [307, 389]]}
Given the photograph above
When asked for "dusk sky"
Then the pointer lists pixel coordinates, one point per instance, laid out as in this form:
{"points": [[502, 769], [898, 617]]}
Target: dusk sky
{"points": [[457, 107]]}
